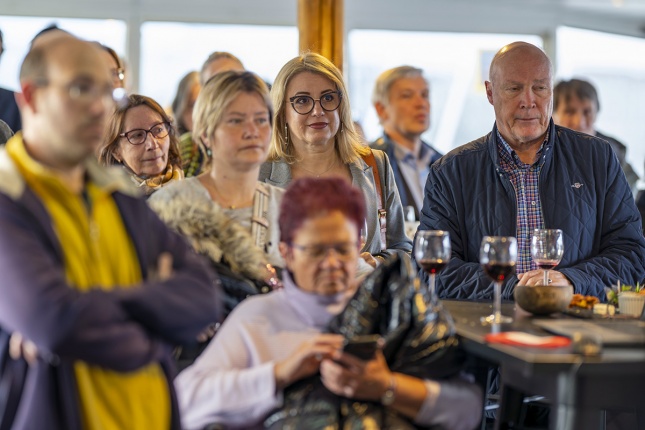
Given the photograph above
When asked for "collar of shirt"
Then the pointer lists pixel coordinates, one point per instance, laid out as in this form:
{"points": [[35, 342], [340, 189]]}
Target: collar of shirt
{"points": [[419, 158], [509, 158]]}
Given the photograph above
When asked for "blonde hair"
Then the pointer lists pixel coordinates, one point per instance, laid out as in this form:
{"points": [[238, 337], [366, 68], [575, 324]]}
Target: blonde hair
{"points": [[217, 95], [348, 142]]}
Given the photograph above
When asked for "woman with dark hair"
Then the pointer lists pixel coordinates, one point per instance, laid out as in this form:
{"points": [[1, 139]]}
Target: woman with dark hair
{"points": [[117, 71], [193, 153], [141, 138], [184, 102], [271, 342]]}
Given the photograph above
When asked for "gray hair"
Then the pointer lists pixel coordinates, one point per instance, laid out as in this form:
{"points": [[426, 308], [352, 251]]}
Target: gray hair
{"points": [[386, 79]]}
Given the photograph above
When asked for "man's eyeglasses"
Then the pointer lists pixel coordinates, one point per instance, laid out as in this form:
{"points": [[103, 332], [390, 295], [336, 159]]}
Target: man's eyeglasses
{"points": [[344, 250], [88, 92], [138, 135], [305, 104]]}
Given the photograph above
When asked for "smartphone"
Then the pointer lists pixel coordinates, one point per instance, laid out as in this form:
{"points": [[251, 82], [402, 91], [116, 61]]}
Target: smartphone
{"points": [[363, 346]]}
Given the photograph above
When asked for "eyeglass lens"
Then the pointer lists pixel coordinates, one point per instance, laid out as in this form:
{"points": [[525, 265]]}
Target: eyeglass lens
{"points": [[138, 136], [304, 104]]}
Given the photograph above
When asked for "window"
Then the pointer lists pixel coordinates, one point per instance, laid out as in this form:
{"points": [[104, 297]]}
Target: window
{"points": [[18, 32], [615, 65], [455, 64], [170, 50]]}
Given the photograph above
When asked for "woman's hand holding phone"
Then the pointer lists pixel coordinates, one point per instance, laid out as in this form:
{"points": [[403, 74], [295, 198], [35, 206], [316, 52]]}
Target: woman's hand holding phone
{"points": [[349, 376]]}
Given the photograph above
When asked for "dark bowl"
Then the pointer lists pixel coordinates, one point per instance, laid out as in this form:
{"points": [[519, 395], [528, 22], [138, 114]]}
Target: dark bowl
{"points": [[543, 300]]}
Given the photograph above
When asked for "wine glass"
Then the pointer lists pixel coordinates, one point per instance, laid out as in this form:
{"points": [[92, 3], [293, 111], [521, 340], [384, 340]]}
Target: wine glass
{"points": [[498, 255], [432, 252], [547, 248]]}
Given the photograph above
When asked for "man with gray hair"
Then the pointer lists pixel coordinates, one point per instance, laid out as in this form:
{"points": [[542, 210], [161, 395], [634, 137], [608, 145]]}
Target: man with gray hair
{"points": [[401, 99], [217, 62], [527, 174]]}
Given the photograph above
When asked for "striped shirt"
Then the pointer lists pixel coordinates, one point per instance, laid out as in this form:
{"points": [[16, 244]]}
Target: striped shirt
{"points": [[525, 180]]}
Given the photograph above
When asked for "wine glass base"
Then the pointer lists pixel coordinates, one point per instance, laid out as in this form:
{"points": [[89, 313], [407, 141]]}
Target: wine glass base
{"points": [[490, 320]]}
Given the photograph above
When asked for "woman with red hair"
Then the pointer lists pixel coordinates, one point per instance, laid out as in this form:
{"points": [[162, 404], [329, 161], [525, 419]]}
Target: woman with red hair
{"points": [[269, 342]]}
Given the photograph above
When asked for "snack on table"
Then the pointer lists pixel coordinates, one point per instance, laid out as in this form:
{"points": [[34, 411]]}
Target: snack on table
{"points": [[584, 302]]}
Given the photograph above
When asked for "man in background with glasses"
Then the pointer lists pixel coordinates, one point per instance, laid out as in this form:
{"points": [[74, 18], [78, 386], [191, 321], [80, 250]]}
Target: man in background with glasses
{"points": [[401, 98], [530, 174], [95, 288], [8, 108]]}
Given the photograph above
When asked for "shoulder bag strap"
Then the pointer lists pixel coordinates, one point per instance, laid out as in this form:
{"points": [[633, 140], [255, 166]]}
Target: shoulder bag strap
{"points": [[381, 211], [259, 218]]}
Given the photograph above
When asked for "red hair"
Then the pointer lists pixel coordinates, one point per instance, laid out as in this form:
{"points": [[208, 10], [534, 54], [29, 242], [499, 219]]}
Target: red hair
{"points": [[310, 197]]}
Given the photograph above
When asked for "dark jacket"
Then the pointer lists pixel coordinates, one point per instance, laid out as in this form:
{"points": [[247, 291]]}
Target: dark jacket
{"points": [[582, 190], [385, 144], [121, 330], [5, 132], [9, 112]]}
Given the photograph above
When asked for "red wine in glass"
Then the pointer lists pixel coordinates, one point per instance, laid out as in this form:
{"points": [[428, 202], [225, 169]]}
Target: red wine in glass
{"points": [[498, 272], [432, 252], [546, 264], [432, 266], [547, 248], [498, 255]]}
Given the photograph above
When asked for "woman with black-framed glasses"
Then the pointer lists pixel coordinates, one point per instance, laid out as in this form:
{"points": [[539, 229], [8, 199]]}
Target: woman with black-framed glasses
{"points": [[314, 136], [140, 138]]}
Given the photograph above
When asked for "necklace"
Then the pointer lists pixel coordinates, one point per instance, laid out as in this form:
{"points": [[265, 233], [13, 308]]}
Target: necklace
{"points": [[318, 175], [219, 197]]}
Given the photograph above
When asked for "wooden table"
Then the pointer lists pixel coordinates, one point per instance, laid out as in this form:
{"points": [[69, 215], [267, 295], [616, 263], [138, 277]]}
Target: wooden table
{"points": [[578, 388]]}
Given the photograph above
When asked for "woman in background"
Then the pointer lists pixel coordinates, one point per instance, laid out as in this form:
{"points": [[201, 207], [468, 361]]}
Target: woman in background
{"points": [[193, 154], [141, 138]]}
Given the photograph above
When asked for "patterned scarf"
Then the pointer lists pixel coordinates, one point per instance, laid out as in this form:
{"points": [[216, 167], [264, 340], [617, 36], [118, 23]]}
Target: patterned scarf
{"points": [[152, 184]]}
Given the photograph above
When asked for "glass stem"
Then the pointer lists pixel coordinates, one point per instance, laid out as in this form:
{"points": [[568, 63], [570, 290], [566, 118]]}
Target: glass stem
{"points": [[497, 304], [546, 277], [432, 299]]}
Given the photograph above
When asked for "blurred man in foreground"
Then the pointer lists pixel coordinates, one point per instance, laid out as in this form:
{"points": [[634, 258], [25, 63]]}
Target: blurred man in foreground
{"points": [[95, 288]]}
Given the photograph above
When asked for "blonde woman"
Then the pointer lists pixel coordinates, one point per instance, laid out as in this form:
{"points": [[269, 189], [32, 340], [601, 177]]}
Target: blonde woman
{"points": [[226, 213], [314, 136]]}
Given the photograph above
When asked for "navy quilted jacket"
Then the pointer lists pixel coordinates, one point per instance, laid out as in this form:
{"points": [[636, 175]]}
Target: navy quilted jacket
{"points": [[583, 192]]}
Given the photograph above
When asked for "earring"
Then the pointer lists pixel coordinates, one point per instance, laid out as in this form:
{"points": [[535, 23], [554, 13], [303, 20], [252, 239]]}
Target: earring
{"points": [[286, 135], [341, 127]]}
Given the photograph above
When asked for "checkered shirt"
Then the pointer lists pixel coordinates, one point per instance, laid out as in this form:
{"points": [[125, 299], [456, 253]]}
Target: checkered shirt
{"points": [[525, 180]]}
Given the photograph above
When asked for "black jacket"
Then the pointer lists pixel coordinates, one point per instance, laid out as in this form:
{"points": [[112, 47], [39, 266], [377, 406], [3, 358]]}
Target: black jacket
{"points": [[582, 190]]}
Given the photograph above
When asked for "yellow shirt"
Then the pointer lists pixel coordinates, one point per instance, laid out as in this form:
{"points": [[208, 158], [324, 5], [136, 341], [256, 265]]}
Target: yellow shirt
{"points": [[98, 253]]}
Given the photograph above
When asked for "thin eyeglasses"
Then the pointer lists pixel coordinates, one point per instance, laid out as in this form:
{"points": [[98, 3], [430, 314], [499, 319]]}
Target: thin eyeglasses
{"points": [[139, 135]]}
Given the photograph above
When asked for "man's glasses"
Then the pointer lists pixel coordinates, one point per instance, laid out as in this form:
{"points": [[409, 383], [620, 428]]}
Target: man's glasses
{"points": [[344, 250], [305, 104], [87, 92], [139, 135]]}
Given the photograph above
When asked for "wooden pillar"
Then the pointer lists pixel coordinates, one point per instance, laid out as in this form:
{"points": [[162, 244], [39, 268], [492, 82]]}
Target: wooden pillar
{"points": [[320, 24]]}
